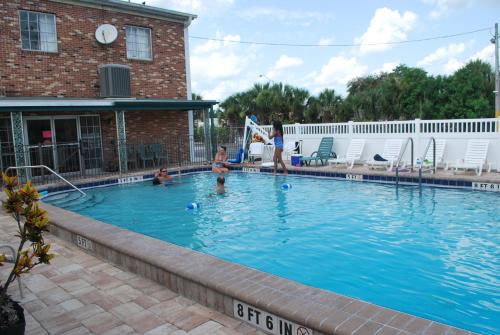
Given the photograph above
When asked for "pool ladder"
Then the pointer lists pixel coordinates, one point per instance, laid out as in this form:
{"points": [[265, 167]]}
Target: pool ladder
{"points": [[432, 141], [48, 169], [401, 154]]}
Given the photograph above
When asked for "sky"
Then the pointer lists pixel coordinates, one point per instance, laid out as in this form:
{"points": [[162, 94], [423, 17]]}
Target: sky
{"points": [[222, 68]]}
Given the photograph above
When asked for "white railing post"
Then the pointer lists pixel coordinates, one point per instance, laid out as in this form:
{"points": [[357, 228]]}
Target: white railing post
{"points": [[350, 130], [417, 138]]}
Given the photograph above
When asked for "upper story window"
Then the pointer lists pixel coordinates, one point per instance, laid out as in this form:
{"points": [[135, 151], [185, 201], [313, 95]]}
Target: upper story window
{"points": [[138, 43], [38, 31]]}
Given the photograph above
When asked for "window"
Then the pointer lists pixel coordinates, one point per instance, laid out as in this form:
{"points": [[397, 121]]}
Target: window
{"points": [[38, 31], [138, 43]]}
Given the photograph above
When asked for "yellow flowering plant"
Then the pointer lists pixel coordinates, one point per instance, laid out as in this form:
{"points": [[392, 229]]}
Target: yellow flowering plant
{"points": [[32, 221]]}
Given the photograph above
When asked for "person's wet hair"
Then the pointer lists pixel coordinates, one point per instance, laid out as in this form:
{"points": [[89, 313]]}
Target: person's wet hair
{"points": [[221, 180], [156, 181], [277, 125]]}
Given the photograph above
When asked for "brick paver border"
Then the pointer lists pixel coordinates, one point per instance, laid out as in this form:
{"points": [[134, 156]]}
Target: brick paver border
{"points": [[224, 286]]}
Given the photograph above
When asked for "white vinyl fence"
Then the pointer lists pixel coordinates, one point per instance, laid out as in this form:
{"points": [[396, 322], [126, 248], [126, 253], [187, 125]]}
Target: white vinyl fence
{"points": [[456, 132]]}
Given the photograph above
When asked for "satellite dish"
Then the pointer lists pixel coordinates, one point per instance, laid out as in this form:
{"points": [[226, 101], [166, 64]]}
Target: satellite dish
{"points": [[106, 34]]}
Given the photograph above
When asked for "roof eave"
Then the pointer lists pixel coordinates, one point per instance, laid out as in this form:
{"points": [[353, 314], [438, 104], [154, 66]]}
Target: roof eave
{"points": [[134, 8]]}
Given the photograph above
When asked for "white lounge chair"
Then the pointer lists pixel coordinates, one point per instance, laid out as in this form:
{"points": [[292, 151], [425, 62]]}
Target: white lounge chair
{"points": [[255, 151], [475, 157], [392, 148], [353, 154], [429, 157]]}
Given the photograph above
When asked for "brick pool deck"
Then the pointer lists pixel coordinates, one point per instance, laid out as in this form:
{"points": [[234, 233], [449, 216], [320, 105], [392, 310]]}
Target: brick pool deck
{"points": [[81, 294]]}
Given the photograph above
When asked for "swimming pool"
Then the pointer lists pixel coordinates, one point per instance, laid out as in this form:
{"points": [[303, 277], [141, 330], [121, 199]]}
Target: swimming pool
{"points": [[433, 254]]}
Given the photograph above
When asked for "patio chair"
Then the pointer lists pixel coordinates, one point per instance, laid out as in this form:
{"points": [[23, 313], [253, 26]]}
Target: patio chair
{"points": [[132, 156], [238, 158], [429, 157], [323, 153], [475, 157], [353, 154], [159, 153], [145, 154], [392, 148], [255, 151], [11, 259]]}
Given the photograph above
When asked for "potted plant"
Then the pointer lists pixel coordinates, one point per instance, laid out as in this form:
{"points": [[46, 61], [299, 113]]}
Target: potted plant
{"points": [[32, 222]]}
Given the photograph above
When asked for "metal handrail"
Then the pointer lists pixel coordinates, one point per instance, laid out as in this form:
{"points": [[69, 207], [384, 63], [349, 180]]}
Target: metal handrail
{"points": [[49, 169], [433, 141], [401, 154]]}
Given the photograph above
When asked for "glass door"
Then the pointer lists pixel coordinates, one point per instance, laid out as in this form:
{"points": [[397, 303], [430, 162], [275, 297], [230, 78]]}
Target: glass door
{"points": [[40, 139], [67, 146]]}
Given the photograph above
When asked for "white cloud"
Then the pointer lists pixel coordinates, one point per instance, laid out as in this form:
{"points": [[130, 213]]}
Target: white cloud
{"points": [[386, 25], [287, 17], [212, 45], [216, 60], [387, 67], [282, 63], [452, 65], [217, 65], [486, 54], [285, 62], [325, 41], [443, 53], [444, 6], [220, 68], [339, 70], [222, 89]]}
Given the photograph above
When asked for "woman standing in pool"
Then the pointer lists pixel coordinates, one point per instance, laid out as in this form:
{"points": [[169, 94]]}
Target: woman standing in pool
{"points": [[161, 177], [277, 134], [219, 165]]}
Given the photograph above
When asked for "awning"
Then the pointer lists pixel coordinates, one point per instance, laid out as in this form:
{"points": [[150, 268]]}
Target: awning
{"points": [[99, 105]]}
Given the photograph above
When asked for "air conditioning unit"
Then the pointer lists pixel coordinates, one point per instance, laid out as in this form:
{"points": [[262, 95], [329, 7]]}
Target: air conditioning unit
{"points": [[114, 81]]}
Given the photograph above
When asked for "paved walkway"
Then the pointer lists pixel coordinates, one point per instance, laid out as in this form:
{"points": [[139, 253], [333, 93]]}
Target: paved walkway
{"points": [[80, 294]]}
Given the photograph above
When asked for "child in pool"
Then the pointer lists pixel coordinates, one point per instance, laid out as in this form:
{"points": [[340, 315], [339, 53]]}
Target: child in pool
{"points": [[277, 134], [220, 185]]}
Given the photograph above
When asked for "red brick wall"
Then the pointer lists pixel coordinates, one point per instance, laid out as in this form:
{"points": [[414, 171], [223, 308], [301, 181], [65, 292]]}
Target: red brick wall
{"points": [[156, 127], [169, 128], [72, 71]]}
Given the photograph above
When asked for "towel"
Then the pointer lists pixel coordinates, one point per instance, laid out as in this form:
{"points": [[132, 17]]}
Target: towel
{"points": [[379, 158]]}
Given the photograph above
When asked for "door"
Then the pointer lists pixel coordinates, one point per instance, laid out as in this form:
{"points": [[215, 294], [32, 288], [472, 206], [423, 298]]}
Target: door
{"points": [[67, 147], [40, 139]]}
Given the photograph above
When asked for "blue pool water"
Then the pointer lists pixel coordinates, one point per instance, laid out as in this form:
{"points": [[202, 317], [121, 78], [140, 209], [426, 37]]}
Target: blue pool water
{"points": [[434, 254]]}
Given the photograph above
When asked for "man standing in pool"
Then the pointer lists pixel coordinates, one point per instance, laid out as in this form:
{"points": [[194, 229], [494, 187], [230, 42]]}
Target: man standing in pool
{"points": [[277, 134]]}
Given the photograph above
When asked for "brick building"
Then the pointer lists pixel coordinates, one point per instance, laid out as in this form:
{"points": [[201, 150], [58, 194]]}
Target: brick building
{"points": [[93, 84]]}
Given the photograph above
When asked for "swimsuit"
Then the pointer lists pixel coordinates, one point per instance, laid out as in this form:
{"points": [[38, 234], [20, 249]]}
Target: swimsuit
{"points": [[278, 142], [217, 165]]}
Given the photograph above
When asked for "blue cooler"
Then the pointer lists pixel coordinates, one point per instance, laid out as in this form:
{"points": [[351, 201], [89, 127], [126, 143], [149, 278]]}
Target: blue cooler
{"points": [[296, 160]]}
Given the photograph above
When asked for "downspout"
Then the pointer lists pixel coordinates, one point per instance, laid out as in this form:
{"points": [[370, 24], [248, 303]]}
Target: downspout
{"points": [[188, 87]]}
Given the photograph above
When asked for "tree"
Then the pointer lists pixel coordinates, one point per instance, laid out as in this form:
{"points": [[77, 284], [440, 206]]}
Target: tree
{"points": [[469, 91], [403, 94]]}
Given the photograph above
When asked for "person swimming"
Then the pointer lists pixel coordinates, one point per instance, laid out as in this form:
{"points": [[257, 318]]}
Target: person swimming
{"points": [[220, 185], [161, 177]]}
